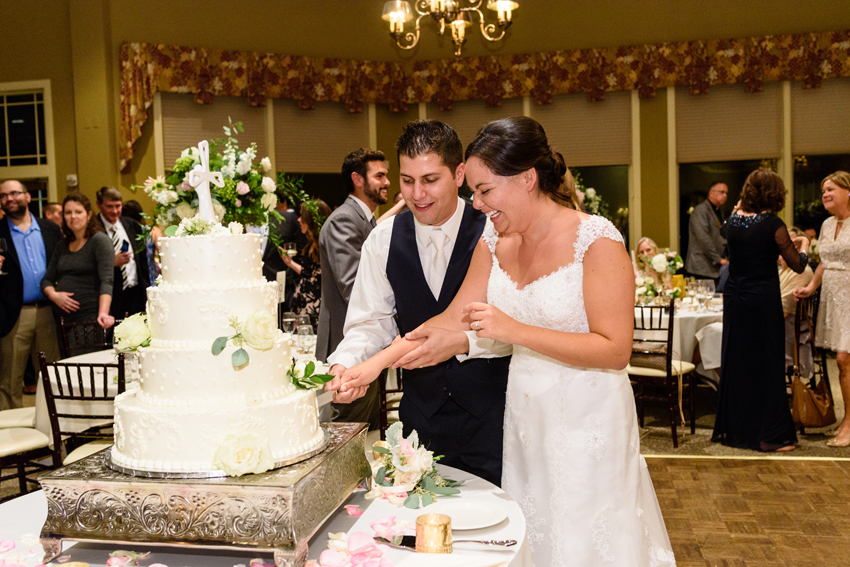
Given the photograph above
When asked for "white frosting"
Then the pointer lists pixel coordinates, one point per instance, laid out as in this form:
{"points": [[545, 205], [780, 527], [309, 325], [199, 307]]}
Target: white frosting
{"points": [[162, 439], [190, 312], [190, 400], [222, 258]]}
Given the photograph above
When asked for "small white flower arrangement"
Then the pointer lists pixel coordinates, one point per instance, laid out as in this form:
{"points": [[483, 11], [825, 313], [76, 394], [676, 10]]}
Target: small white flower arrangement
{"points": [[132, 333], [309, 374], [259, 331], [243, 454], [408, 474]]}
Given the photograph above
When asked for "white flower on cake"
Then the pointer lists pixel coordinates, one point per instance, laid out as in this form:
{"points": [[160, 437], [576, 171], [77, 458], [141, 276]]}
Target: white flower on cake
{"points": [[260, 330], [185, 211], [132, 333], [309, 374], [269, 185], [243, 454], [236, 228]]}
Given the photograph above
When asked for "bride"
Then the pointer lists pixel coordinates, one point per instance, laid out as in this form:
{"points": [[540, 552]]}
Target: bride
{"points": [[558, 285]]}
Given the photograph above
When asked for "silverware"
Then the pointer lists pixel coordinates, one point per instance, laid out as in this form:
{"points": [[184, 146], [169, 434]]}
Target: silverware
{"points": [[409, 542]]}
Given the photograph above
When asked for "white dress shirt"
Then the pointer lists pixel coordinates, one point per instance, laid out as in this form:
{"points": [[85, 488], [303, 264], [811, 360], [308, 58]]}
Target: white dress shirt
{"points": [[132, 276], [370, 324]]}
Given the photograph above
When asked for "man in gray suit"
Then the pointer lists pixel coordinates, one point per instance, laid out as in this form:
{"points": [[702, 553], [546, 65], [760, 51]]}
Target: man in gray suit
{"points": [[364, 172], [705, 244]]}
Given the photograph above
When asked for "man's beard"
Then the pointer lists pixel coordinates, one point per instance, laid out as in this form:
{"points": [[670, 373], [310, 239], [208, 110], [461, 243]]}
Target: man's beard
{"points": [[17, 214], [375, 195]]}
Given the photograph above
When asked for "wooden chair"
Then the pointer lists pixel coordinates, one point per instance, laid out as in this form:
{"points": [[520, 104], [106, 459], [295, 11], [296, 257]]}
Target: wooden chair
{"points": [[85, 336], [806, 319], [389, 400], [84, 383], [652, 366]]}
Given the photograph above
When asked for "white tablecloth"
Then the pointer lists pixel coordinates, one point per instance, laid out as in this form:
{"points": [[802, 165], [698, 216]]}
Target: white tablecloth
{"points": [[688, 323], [25, 516]]}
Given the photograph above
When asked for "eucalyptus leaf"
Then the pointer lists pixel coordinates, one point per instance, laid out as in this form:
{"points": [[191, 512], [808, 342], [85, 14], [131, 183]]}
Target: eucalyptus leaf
{"points": [[412, 502], [382, 450], [381, 475], [427, 500], [428, 483], [170, 231], [218, 345], [445, 490], [240, 358], [386, 483]]}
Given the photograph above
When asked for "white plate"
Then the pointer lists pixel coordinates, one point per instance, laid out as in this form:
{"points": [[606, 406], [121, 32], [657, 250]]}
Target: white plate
{"points": [[470, 514]]}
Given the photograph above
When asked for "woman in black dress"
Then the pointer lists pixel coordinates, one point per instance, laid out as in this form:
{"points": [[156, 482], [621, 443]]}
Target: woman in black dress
{"points": [[308, 290], [752, 409]]}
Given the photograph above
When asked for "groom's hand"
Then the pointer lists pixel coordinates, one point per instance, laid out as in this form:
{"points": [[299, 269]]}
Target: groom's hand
{"points": [[336, 370], [439, 345]]}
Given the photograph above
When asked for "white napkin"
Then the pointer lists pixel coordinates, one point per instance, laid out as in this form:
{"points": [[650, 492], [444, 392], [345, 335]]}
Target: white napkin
{"points": [[450, 560]]}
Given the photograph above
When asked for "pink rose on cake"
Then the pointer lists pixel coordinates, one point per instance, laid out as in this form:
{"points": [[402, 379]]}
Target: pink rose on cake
{"points": [[243, 454], [260, 330]]}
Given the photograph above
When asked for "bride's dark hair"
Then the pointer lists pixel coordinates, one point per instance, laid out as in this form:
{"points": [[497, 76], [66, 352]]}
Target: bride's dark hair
{"points": [[511, 146]]}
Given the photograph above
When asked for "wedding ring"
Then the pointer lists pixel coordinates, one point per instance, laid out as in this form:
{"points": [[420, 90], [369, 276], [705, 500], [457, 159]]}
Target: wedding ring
{"points": [[478, 325]]}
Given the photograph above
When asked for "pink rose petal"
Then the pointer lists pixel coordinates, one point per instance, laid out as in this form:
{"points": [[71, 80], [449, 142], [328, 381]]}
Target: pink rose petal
{"points": [[63, 559], [354, 511], [358, 542], [6, 545], [331, 558]]}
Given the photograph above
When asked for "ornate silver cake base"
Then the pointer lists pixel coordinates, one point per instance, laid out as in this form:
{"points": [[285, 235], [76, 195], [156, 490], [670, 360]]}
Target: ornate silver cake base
{"points": [[278, 511]]}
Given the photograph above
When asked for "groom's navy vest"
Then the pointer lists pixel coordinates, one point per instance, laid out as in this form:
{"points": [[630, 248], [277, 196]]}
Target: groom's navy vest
{"points": [[476, 385]]}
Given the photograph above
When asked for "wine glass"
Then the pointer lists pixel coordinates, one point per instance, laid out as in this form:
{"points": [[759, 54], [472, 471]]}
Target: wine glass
{"points": [[302, 320], [3, 250], [288, 321], [306, 338]]}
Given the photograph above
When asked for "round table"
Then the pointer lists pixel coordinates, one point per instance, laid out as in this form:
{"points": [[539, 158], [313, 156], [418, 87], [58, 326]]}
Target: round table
{"points": [[21, 520]]}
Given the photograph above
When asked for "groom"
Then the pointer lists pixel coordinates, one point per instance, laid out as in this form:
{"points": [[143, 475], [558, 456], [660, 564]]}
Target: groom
{"points": [[411, 267]]}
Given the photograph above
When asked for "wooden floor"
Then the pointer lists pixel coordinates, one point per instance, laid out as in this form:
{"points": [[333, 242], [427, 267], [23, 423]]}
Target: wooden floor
{"points": [[733, 512]]}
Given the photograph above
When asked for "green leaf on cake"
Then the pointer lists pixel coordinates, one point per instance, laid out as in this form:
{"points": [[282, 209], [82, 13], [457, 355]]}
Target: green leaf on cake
{"points": [[171, 230], [239, 358], [308, 370], [412, 502], [218, 345]]}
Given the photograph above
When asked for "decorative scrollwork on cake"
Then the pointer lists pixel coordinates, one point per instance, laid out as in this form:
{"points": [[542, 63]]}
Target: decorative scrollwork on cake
{"points": [[118, 430], [210, 308], [309, 413], [157, 306], [270, 297]]}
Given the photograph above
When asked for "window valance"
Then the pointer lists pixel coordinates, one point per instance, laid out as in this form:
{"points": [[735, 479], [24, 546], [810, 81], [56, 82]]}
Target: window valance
{"points": [[150, 68]]}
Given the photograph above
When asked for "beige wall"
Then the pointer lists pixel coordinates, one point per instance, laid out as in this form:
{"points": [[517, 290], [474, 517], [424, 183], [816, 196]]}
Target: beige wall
{"points": [[74, 43]]}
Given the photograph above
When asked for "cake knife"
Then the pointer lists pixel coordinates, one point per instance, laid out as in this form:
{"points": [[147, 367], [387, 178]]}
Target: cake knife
{"points": [[409, 542]]}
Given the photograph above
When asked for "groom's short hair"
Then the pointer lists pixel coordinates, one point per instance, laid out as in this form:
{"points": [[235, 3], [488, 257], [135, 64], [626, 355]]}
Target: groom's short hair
{"points": [[422, 137]]}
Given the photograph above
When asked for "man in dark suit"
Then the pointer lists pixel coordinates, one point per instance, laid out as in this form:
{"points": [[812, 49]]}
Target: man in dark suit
{"points": [[705, 243], [286, 230], [27, 326], [411, 268], [129, 290], [364, 172]]}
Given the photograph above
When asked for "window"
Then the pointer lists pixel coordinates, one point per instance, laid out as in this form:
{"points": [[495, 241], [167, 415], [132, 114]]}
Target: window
{"points": [[23, 140]]}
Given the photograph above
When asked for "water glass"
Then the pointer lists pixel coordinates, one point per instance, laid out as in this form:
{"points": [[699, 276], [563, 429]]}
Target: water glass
{"points": [[291, 249], [306, 338], [303, 320], [288, 322]]}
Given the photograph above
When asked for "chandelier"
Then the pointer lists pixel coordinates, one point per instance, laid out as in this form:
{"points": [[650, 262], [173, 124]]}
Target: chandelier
{"points": [[446, 13]]}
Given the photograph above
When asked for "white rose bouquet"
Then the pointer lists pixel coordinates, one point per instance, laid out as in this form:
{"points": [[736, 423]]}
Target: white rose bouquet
{"points": [[132, 333], [259, 331], [407, 474], [243, 454]]}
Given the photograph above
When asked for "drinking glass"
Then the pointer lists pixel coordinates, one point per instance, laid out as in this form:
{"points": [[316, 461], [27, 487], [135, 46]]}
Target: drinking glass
{"points": [[303, 320], [288, 321], [306, 338], [717, 302], [708, 286], [3, 253], [291, 249]]}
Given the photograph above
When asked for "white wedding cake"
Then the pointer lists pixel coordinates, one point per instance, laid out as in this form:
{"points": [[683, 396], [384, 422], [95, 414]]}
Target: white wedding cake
{"points": [[194, 408]]}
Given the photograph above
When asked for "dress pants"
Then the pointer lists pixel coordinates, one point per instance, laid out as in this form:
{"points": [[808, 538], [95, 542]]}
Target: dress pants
{"points": [[466, 442], [34, 332]]}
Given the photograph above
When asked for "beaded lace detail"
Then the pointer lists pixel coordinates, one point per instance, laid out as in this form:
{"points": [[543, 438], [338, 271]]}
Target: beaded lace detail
{"points": [[833, 326]]}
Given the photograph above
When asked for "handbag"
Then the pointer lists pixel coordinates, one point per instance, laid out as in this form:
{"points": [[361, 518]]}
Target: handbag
{"points": [[811, 406]]}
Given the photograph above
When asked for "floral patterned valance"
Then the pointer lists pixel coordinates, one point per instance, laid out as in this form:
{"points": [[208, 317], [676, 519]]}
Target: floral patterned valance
{"points": [[148, 68]]}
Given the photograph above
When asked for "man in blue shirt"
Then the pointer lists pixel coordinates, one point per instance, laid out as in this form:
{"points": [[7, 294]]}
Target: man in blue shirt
{"points": [[26, 316]]}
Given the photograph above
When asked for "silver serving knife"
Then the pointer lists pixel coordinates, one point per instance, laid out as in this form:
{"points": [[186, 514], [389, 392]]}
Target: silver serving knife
{"points": [[409, 542]]}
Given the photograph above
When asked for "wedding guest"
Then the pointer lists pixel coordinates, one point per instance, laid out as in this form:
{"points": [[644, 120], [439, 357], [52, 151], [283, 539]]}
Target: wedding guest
{"points": [[283, 229], [130, 277], [78, 279], [833, 325], [753, 410], [789, 280], [133, 209], [364, 173], [307, 264], [26, 318], [53, 213], [644, 251], [705, 243]]}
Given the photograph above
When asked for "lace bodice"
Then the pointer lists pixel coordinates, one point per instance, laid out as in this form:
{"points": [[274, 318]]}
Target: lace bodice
{"points": [[554, 301], [834, 252]]}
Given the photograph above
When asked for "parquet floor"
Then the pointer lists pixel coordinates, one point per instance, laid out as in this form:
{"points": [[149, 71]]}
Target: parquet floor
{"points": [[755, 513]]}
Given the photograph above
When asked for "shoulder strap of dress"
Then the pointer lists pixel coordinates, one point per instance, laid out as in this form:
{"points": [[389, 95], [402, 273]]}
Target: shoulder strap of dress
{"points": [[490, 236], [589, 230]]}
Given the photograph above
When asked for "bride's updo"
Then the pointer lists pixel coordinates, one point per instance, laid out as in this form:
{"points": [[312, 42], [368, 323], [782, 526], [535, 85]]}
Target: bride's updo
{"points": [[511, 146]]}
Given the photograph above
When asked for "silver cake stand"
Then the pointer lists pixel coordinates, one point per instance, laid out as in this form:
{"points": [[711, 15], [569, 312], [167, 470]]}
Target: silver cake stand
{"points": [[277, 511]]}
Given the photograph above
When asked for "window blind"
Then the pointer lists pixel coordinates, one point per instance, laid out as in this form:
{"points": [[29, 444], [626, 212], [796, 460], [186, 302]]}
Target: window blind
{"points": [[820, 118], [469, 116]]}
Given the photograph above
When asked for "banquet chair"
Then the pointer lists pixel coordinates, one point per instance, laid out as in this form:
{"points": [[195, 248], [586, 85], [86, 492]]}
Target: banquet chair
{"points": [[85, 336], [18, 417], [82, 383], [652, 367], [806, 319], [388, 401], [22, 448]]}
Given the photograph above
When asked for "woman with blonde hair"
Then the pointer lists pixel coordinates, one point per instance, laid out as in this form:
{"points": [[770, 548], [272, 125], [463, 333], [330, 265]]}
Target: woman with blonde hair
{"points": [[643, 253], [833, 325]]}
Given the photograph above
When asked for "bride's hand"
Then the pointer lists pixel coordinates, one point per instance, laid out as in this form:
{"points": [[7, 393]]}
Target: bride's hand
{"points": [[355, 381], [490, 322]]}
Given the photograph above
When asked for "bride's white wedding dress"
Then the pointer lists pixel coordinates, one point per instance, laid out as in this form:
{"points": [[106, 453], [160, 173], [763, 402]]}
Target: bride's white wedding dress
{"points": [[572, 450]]}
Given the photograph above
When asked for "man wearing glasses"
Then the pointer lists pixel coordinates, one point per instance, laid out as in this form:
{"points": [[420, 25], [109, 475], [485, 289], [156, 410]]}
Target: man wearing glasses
{"points": [[26, 316]]}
